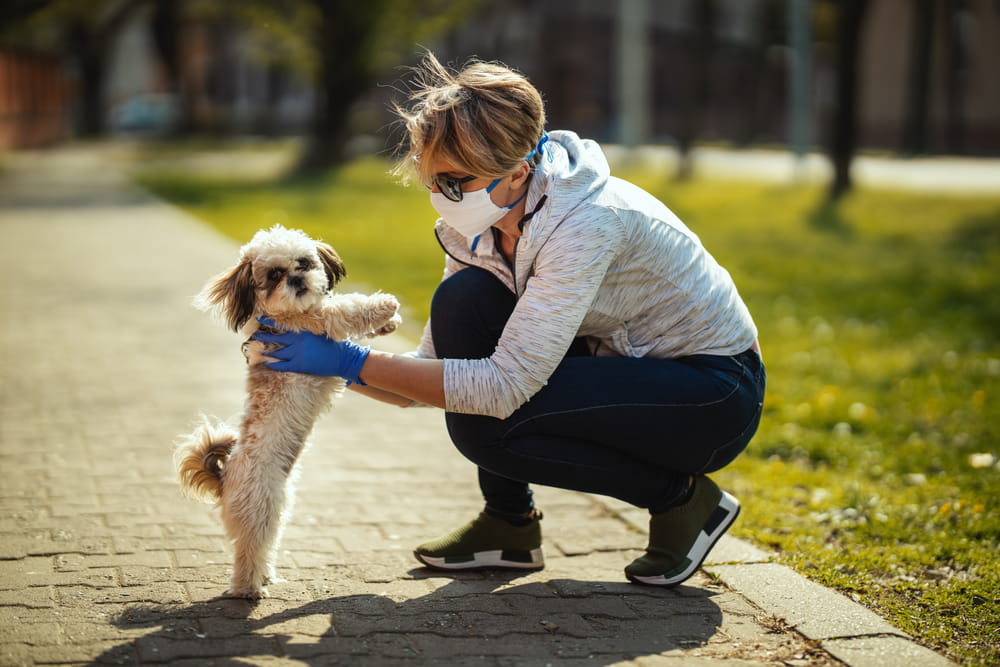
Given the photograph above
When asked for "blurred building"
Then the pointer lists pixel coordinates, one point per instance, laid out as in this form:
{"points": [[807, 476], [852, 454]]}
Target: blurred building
{"points": [[697, 70], [220, 83], [720, 70], [962, 52]]}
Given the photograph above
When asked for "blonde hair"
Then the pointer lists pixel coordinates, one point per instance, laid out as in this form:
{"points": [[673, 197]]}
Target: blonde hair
{"points": [[483, 119]]}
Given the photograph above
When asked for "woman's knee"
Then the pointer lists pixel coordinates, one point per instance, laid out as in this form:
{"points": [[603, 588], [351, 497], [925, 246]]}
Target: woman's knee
{"points": [[474, 436], [468, 313], [467, 288]]}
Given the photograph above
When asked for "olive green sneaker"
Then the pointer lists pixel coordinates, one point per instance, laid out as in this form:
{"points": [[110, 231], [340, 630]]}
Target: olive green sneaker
{"points": [[680, 538], [486, 542]]}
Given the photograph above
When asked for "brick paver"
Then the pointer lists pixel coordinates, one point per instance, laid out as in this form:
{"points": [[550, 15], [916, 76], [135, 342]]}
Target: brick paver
{"points": [[103, 362]]}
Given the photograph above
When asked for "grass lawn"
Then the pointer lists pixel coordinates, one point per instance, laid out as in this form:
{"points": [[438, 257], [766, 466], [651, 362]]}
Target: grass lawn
{"points": [[876, 468]]}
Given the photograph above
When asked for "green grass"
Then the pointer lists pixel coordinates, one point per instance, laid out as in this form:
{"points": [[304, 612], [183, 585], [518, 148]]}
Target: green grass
{"points": [[879, 323], [383, 231]]}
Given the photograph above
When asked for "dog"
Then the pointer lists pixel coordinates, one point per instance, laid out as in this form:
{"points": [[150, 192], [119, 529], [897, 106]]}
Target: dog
{"points": [[250, 472]]}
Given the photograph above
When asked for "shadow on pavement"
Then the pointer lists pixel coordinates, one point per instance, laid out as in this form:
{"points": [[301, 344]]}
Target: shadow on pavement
{"points": [[464, 621]]}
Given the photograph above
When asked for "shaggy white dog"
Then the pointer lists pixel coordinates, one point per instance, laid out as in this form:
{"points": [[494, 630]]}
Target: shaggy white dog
{"points": [[287, 276]]}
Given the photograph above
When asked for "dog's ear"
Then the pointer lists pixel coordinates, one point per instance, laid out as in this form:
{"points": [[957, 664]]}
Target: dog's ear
{"points": [[335, 270], [231, 294]]}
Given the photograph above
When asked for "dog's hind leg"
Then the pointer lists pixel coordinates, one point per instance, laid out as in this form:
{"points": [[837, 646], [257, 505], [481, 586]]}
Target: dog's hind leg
{"points": [[254, 504]]}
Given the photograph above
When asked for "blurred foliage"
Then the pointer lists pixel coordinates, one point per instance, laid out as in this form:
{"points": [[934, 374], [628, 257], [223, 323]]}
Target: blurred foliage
{"points": [[285, 30], [288, 27], [339, 47], [42, 25], [875, 470], [290, 36]]}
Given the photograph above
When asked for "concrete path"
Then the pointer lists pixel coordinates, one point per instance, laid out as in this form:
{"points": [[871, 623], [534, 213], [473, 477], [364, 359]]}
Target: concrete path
{"points": [[103, 362], [958, 176]]}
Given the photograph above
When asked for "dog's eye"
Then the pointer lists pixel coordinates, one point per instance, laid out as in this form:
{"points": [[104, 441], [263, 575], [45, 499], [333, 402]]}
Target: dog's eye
{"points": [[274, 274], [305, 264]]}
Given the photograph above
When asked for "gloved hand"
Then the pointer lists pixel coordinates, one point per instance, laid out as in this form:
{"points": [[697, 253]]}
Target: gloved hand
{"points": [[306, 352]]}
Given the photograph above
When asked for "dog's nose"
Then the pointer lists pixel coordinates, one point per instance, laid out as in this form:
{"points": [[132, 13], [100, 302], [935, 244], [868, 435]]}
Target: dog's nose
{"points": [[296, 282]]}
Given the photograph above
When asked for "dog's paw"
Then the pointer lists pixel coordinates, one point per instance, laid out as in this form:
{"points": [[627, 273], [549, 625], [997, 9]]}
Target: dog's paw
{"points": [[255, 352], [390, 326], [384, 313], [247, 592]]}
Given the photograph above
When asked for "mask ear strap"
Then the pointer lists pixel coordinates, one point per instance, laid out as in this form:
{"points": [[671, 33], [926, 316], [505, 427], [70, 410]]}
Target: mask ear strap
{"points": [[523, 195], [538, 147]]}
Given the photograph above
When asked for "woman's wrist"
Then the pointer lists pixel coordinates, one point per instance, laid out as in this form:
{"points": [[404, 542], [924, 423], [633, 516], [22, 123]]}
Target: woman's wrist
{"points": [[357, 355], [419, 380]]}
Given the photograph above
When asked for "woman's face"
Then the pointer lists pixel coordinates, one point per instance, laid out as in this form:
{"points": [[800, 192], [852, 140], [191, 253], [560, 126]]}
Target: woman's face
{"points": [[451, 180]]}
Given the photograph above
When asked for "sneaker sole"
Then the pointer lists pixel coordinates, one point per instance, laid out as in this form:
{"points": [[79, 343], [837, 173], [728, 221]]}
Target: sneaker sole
{"points": [[720, 521], [507, 559]]}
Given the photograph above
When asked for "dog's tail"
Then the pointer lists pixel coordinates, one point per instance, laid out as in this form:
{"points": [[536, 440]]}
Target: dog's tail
{"points": [[200, 456]]}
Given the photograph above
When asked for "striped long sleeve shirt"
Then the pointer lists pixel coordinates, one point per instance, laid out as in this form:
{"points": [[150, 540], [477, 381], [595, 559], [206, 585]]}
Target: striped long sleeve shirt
{"points": [[601, 259]]}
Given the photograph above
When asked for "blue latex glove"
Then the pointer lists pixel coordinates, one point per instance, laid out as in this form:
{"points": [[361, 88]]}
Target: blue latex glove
{"points": [[306, 352]]}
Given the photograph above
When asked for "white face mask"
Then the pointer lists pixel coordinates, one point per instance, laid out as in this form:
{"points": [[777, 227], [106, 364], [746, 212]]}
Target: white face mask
{"points": [[474, 214]]}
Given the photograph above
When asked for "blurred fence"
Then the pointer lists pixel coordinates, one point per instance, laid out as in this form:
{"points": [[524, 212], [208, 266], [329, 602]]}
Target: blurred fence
{"points": [[34, 100]]}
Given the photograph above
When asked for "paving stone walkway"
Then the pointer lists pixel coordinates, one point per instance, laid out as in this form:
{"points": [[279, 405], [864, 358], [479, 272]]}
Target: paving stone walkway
{"points": [[103, 362]]}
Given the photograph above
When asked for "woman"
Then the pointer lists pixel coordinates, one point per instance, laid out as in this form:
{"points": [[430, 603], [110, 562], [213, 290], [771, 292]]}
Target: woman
{"points": [[582, 337]]}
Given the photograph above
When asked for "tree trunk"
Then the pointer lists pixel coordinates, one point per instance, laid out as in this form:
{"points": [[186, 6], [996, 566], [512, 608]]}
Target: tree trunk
{"points": [[90, 64], [166, 28], [91, 46], [921, 47], [955, 77], [345, 36], [843, 135], [754, 83], [695, 99]]}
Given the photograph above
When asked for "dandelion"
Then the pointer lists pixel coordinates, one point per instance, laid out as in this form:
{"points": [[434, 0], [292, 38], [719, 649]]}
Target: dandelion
{"points": [[819, 496], [827, 397], [981, 460], [979, 398], [788, 325], [842, 430], [791, 431], [822, 331]]}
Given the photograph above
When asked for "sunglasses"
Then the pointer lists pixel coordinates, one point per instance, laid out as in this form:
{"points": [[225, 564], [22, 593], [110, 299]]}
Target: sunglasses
{"points": [[451, 186]]}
